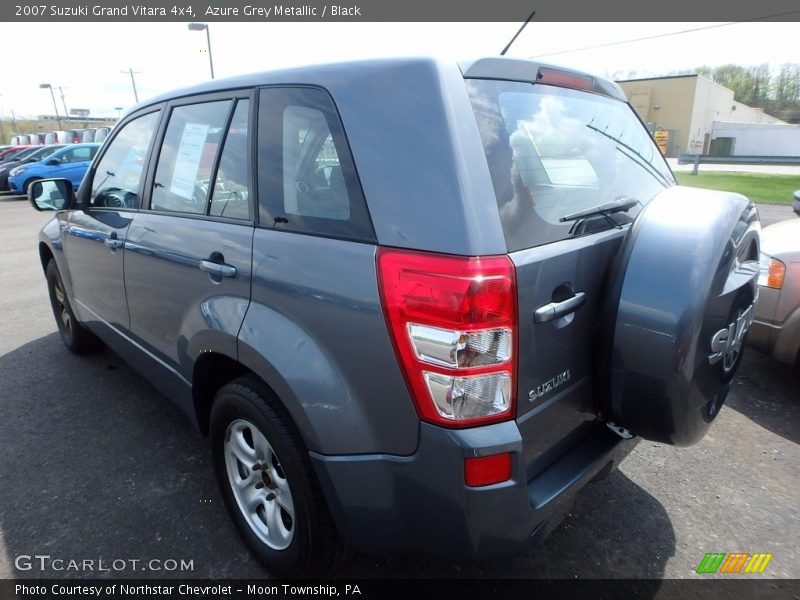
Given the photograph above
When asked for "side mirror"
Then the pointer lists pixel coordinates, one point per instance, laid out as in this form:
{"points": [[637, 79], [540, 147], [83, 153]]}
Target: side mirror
{"points": [[51, 194], [52, 162]]}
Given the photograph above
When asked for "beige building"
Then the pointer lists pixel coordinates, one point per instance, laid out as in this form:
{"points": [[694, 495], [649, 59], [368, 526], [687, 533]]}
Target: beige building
{"points": [[686, 106]]}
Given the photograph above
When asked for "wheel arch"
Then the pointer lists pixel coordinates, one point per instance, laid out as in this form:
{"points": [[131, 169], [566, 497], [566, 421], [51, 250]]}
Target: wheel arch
{"points": [[45, 255], [212, 370]]}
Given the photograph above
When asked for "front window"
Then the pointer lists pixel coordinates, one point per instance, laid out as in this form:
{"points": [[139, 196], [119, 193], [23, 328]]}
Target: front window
{"points": [[553, 152]]}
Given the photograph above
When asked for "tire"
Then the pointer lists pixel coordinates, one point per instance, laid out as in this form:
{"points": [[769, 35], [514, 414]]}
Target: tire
{"points": [[679, 303], [248, 425], [28, 183], [75, 336]]}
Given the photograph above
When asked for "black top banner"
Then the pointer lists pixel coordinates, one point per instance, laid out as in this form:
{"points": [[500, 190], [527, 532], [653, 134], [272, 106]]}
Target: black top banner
{"points": [[397, 11]]}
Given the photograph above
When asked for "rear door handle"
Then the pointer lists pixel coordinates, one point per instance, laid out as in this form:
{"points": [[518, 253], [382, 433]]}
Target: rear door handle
{"points": [[217, 269], [556, 310]]}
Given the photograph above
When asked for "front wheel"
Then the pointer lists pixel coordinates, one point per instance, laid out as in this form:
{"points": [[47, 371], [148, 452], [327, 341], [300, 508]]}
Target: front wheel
{"points": [[28, 184], [74, 335], [266, 480]]}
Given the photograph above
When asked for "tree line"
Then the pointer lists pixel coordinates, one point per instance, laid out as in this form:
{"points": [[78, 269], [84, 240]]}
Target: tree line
{"points": [[777, 92]]}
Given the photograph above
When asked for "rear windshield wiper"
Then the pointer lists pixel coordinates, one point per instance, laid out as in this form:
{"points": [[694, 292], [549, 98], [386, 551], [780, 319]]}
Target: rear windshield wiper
{"points": [[621, 205]]}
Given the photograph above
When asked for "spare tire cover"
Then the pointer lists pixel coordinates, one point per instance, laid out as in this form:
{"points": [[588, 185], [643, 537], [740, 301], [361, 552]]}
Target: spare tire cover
{"points": [[679, 304]]}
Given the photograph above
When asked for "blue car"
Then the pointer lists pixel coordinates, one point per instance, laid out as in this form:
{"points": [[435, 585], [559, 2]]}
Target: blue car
{"points": [[71, 162]]}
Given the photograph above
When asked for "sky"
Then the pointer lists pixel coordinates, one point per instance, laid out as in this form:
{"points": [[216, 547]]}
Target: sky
{"points": [[90, 61]]}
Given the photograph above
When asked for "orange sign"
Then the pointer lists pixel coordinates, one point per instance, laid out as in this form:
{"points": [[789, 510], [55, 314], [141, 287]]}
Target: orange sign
{"points": [[662, 140]]}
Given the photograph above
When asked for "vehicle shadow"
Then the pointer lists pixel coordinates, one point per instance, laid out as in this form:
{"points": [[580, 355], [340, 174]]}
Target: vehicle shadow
{"points": [[96, 464], [768, 393]]}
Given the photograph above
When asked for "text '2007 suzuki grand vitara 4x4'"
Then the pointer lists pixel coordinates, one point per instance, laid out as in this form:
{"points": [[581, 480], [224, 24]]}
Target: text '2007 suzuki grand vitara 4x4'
{"points": [[415, 305]]}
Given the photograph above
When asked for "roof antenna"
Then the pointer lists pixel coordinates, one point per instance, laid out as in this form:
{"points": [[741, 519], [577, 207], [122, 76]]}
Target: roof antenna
{"points": [[516, 35]]}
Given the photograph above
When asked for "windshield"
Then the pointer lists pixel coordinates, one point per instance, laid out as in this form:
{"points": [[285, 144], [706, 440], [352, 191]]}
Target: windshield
{"points": [[554, 152], [44, 152]]}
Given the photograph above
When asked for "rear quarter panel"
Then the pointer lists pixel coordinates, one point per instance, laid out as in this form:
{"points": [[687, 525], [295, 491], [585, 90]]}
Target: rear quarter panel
{"points": [[315, 331]]}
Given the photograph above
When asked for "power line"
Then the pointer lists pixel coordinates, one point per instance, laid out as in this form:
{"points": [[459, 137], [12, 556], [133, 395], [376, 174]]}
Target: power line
{"points": [[662, 35]]}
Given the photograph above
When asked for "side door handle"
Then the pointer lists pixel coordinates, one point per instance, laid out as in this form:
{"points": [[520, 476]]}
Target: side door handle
{"points": [[113, 242], [556, 310], [217, 269]]}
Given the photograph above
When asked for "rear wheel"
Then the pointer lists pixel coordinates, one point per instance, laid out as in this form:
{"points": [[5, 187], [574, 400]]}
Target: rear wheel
{"points": [[74, 335], [267, 482]]}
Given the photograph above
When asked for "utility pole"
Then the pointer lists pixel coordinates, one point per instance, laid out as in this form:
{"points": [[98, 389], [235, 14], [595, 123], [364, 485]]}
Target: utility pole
{"points": [[64, 104], [133, 82]]}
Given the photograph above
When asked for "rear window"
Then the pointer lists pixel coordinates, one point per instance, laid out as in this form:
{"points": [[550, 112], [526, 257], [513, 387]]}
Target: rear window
{"points": [[554, 151]]}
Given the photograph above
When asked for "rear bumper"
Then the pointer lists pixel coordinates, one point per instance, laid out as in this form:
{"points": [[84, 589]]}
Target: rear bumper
{"points": [[419, 504]]}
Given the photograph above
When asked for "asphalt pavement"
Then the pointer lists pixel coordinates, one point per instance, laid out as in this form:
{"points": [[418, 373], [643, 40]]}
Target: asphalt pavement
{"points": [[95, 464]]}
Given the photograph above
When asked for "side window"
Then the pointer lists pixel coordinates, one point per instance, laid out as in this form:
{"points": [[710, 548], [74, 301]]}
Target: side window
{"points": [[186, 161], [230, 194], [307, 179], [81, 154], [119, 173]]}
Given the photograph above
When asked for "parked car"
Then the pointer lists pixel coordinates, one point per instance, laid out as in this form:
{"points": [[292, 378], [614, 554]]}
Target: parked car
{"points": [[38, 139], [70, 163], [11, 151], [423, 341], [101, 133], [776, 327], [51, 138], [36, 154], [796, 202], [88, 135]]}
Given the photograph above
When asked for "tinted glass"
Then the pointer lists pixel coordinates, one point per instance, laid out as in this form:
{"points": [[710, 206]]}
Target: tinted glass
{"points": [[307, 180], [554, 151], [230, 195], [77, 154], [44, 152], [118, 176], [187, 156]]}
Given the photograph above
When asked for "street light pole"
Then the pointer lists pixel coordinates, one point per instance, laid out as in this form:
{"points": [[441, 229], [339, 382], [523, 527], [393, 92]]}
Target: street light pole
{"points": [[200, 27], [133, 82], [55, 106]]}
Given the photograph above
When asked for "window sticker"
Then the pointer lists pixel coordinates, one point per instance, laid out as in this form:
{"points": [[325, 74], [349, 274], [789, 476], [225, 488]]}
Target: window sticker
{"points": [[187, 163]]}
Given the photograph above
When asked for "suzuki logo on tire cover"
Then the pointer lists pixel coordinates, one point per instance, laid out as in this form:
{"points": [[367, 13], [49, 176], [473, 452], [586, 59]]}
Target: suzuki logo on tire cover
{"points": [[726, 344]]}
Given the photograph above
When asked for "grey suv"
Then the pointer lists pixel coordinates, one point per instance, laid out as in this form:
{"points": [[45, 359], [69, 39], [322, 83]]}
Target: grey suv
{"points": [[415, 305]]}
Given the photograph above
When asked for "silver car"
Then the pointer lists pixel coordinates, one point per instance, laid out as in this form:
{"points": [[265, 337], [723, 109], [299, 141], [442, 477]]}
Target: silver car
{"points": [[776, 325]]}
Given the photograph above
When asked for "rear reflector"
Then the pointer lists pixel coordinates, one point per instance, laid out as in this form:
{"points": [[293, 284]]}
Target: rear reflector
{"points": [[487, 470], [452, 320], [565, 79]]}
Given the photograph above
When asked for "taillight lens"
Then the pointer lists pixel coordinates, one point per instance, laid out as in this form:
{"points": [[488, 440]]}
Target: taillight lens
{"points": [[453, 324], [771, 272]]}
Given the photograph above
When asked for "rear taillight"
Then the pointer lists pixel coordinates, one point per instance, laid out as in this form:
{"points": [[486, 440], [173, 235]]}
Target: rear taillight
{"points": [[453, 324]]}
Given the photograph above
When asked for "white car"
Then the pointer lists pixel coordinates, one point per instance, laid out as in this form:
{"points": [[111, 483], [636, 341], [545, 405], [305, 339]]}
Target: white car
{"points": [[776, 325]]}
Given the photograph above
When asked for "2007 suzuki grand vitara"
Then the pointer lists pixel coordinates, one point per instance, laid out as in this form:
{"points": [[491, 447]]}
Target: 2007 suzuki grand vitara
{"points": [[415, 305]]}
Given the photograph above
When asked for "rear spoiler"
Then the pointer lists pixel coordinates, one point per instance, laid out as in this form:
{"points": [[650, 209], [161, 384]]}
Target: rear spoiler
{"points": [[532, 72]]}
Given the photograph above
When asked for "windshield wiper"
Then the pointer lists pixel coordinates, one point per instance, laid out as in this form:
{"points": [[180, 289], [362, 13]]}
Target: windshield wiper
{"points": [[609, 208]]}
